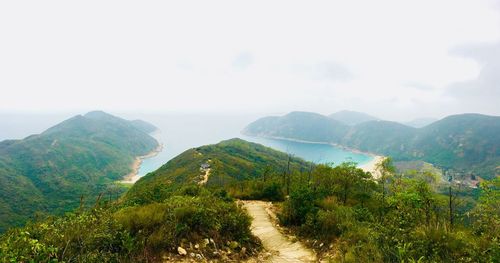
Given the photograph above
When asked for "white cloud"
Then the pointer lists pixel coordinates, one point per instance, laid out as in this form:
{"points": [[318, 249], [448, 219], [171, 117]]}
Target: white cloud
{"points": [[239, 55]]}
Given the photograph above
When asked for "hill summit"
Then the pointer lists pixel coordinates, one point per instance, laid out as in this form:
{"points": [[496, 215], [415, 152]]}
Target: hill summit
{"points": [[79, 157]]}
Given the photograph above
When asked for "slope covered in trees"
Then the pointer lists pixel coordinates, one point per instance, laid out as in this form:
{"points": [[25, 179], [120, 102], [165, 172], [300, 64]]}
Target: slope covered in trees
{"points": [[469, 143], [299, 125], [192, 222], [342, 212], [230, 162], [168, 213], [82, 156], [347, 216]]}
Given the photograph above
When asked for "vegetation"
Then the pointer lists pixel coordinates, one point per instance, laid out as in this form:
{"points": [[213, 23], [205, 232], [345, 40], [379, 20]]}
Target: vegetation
{"points": [[203, 224], [144, 126], [80, 157], [466, 143], [299, 125], [342, 212], [232, 163], [346, 214], [351, 218]]}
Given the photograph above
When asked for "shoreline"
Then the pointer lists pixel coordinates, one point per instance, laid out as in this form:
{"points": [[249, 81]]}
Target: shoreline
{"points": [[133, 176], [370, 166]]}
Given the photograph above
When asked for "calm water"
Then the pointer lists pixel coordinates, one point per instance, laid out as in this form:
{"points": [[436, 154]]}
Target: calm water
{"points": [[179, 132]]}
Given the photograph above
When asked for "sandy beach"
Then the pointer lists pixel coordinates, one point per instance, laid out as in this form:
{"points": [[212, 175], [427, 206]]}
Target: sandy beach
{"points": [[133, 176], [371, 166]]}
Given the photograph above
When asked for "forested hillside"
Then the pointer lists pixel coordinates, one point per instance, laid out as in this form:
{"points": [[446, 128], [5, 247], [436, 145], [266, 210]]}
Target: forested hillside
{"points": [[299, 125], [80, 157], [342, 213], [468, 143], [169, 214], [228, 162]]}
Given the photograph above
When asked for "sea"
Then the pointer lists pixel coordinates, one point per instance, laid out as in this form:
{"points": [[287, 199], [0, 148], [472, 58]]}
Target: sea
{"points": [[179, 132]]}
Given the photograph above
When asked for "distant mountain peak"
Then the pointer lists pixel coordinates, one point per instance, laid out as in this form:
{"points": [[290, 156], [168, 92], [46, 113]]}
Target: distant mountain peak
{"points": [[352, 117], [303, 113], [98, 114], [80, 156], [465, 142], [420, 122]]}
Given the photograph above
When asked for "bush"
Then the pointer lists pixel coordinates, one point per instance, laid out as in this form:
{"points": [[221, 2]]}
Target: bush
{"points": [[90, 236], [359, 245], [327, 225], [272, 192], [135, 233], [192, 190], [166, 225], [298, 207]]}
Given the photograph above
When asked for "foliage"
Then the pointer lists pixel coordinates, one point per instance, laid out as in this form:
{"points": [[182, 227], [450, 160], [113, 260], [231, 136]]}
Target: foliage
{"points": [[352, 117], [348, 215], [299, 125], [232, 163], [91, 236], [467, 143], [487, 220], [82, 156], [400, 219], [133, 233], [165, 225]]}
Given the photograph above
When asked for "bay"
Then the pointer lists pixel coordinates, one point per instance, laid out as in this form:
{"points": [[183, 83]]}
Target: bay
{"points": [[178, 133]]}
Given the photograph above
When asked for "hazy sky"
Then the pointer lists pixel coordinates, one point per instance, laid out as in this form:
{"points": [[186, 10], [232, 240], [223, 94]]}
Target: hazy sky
{"points": [[395, 59]]}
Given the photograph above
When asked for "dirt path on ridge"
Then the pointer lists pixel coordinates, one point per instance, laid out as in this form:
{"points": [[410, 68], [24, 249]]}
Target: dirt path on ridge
{"points": [[282, 249]]}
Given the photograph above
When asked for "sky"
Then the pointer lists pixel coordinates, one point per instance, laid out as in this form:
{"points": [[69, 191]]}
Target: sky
{"points": [[390, 58]]}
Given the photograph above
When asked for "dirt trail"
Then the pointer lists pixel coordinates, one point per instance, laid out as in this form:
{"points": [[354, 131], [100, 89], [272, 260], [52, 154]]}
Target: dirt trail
{"points": [[205, 176], [282, 249]]}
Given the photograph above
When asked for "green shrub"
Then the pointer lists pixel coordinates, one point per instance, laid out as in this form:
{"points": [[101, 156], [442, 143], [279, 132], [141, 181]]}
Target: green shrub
{"points": [[328, 225], [272, 192], [91, 236], [359, 245], [298, 207], [166, 225], [132, 234], [192, 190]]}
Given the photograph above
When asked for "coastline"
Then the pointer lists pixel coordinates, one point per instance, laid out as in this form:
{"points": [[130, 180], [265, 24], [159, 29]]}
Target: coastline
{"points": [[133, 176], [370, 166]]}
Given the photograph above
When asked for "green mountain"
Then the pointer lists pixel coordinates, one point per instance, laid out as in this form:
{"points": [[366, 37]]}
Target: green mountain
{"points": [[385, 137], [420, 122], [82, 156], [468, 143], [168, 211], [352, 117], [299, 125], [175, 215], [229, 161], [144, 126]]}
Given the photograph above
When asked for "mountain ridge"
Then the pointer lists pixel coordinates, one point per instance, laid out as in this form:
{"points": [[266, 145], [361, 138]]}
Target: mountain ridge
{"points": [[352, 117], [229, 161], [80, 156], [467, 142]]}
